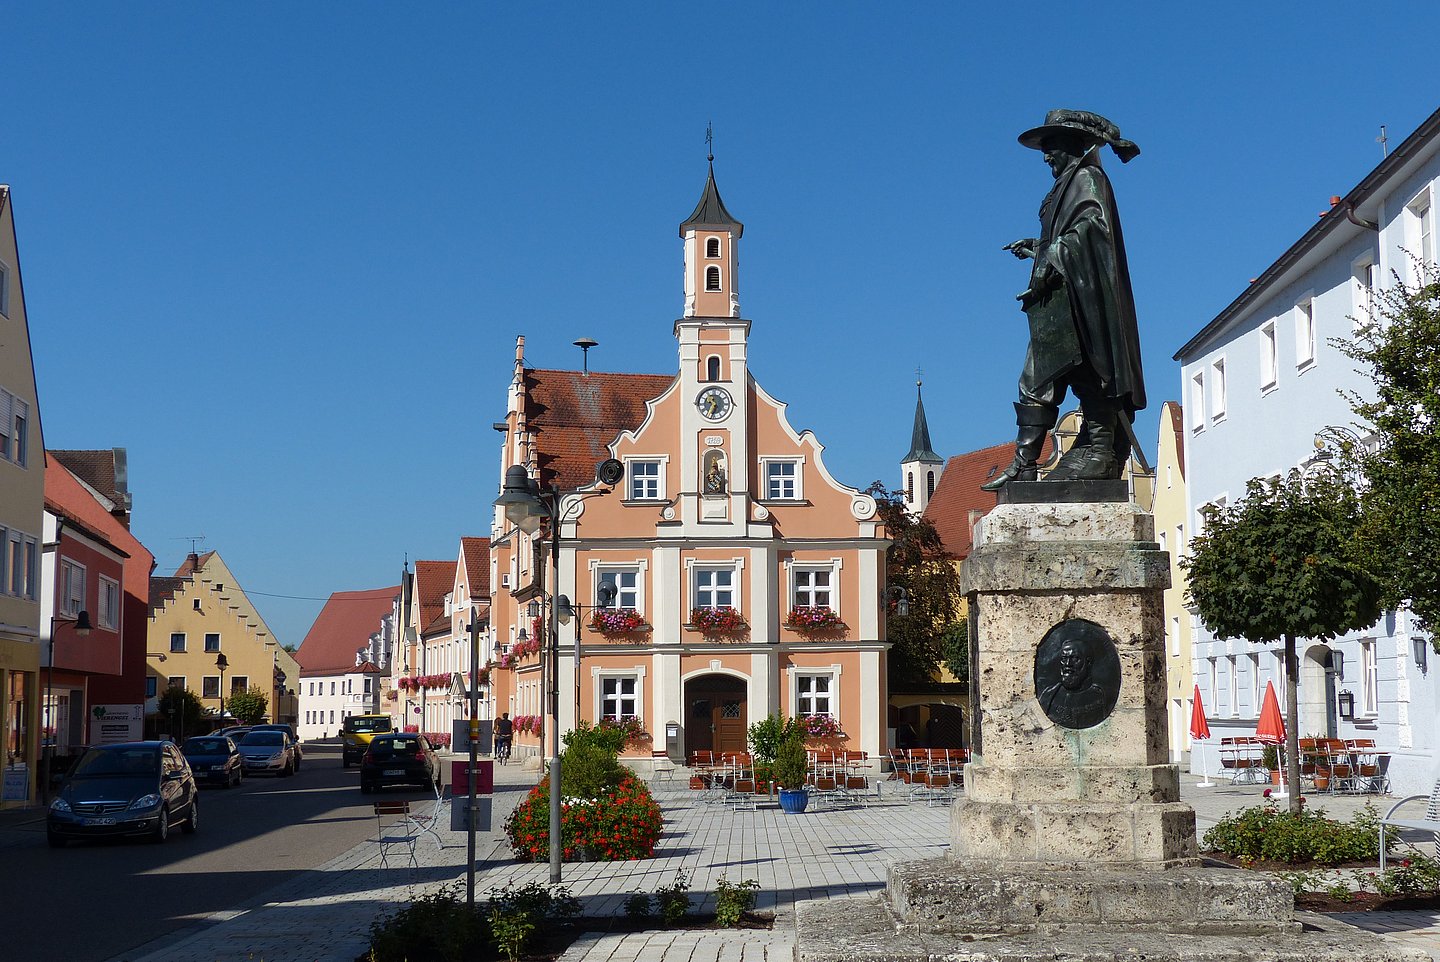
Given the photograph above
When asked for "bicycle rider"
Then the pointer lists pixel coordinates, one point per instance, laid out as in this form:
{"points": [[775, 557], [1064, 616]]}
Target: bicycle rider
{"points": [[504, 736]]}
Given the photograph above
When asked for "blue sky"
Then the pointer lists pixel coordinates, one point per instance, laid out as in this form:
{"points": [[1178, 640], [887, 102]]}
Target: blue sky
{"points": [[281, 252]]}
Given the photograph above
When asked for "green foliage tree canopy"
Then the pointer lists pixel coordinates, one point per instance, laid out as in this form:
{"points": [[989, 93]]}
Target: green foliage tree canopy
{"points": [[249, 706]]}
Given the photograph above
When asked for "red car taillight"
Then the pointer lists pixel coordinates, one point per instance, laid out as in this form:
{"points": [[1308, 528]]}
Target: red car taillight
{"points": [[419, 756], [369, 759]]}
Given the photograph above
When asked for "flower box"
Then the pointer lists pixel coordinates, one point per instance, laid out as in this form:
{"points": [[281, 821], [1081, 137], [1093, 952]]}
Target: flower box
{"points": [[617, 621], [814, 619], [820, 726], [717, 621]]}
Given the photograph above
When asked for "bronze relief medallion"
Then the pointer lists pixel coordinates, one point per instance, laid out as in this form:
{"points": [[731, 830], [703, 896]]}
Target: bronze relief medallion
{"points": [[1077, 674]]}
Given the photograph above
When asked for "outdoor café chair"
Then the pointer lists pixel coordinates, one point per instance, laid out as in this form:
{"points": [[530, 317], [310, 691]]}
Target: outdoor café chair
{"points": [[401, 831]]}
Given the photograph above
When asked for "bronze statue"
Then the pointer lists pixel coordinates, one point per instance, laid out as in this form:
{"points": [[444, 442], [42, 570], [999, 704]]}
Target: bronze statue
{"points": [[1083, 335]]}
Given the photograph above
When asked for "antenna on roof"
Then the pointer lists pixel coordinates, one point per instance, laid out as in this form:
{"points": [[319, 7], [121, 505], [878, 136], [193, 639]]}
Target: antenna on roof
{"points": [[710, 141], [1384, 142], [194, 540], [585, 344]]}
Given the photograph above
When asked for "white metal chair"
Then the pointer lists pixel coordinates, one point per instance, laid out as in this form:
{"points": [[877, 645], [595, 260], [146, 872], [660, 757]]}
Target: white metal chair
{"points": [[426, 820]]}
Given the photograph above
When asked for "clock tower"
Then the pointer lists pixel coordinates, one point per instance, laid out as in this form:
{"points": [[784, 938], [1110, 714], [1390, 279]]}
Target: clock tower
{"points": [[714, 379]]}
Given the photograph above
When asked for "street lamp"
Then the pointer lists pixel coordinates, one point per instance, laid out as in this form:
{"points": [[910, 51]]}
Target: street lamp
{"points": [[222, 663], [564, 611], [527, 506], [901, 598], [81, 626]]}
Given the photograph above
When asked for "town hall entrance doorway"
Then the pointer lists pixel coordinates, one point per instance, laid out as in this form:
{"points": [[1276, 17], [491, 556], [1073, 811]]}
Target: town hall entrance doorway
{"points": [[715, 714]]}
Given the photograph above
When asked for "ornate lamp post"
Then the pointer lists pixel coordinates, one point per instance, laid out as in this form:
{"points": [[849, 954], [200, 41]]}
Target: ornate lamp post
{"points": [[527, 506], [222, 663]]}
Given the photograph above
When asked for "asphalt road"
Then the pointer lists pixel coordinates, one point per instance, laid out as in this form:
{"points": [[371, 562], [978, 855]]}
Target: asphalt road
{"points": [[94, 901]]}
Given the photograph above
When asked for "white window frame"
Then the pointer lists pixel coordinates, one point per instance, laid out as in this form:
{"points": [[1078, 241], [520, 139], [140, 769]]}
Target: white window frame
{"points": [[107, 613], [601, 675], [239, 683], [1217, 389], [175, 681], [219, 641], [830, 672], [1197, 402], [72, 587], [207, 682], [713, 270], [1182, 547], [660, 462], [1214, 685], [1163, 539], [1234, 678], [794, 569], [1420, 230], [184, 642], [798, 463], [719, 248], [737, 566], [1255, 687], [1305, 332], [1175, 636], [1282, 690], [598, 571], [1269, 358], [1362, 275], [1369, 706]]}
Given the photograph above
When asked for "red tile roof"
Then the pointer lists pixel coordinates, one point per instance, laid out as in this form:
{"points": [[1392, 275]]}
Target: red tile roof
{"points": [[95, 468], [64, 490], [476, 552], [342, 628], [575, 416], [193, 563], [958, 501], [162, 590], [433, 581]]}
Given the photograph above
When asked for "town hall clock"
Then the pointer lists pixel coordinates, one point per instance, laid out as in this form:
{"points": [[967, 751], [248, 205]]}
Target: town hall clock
{"points": [[714, 403]]}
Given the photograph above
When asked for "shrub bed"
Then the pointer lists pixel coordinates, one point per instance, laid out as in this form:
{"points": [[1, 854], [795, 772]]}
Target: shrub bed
{"points": [[623, 823], [1266, 834]]}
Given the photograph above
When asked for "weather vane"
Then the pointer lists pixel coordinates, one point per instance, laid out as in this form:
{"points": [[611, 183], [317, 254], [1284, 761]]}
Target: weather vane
{"points": [[710, 141]]}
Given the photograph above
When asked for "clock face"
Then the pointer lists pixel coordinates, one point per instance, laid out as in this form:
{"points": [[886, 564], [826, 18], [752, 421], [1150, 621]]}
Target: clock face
{"points": [[714, 403]]}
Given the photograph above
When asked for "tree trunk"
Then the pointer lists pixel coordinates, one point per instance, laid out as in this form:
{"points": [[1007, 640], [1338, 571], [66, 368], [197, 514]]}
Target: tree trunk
{"points": [[1292, 725]]}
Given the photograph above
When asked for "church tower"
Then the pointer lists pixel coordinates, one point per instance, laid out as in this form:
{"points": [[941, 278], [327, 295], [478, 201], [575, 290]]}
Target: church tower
{"points": [[920, 469], [714, 376]]}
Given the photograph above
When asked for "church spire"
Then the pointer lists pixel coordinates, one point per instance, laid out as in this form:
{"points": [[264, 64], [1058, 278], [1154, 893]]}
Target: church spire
{"points": [[712, 238], [920, 468]]}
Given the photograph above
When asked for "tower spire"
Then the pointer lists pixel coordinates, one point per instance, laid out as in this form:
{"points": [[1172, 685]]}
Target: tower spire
{"points": [[921, 468]]}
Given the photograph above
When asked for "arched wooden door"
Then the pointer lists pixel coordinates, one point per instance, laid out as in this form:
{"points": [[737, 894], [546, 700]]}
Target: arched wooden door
{"points": [[715, 714]]}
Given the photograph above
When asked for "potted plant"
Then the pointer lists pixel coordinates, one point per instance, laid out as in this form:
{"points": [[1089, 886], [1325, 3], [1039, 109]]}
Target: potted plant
{"points": [[1270, 758], [790, 767]]}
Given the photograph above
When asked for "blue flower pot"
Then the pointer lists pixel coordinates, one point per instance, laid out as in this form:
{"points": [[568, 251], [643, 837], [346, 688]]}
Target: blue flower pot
{"points": [[793, 802]]}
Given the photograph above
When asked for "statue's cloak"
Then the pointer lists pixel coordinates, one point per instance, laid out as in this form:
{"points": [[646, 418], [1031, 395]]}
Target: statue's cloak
{"points": [[1092, 318]]}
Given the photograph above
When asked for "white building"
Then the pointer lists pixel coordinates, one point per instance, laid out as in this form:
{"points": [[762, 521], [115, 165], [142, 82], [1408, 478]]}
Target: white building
{"points": [[343, 658], [1261, 383]]}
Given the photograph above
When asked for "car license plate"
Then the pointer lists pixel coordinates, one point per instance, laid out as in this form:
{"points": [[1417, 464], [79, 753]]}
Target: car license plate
{"points": [[393, 771], [97, 821]]}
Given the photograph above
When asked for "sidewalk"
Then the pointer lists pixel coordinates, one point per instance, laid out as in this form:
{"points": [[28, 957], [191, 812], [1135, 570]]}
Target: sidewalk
{"points": [[832, 854]]}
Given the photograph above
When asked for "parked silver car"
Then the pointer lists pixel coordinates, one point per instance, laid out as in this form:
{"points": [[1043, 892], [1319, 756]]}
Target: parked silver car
{"points": [[268, 752]]}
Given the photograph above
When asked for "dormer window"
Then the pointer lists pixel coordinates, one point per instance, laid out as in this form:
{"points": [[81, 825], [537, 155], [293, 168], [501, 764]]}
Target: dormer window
{"points": [[712, 368], [712, 247], [712, 278]]}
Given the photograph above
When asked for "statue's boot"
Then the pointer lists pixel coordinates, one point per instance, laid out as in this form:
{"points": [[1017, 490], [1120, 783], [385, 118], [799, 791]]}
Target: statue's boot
{"points": [[1034, 422], [1095, 460]]}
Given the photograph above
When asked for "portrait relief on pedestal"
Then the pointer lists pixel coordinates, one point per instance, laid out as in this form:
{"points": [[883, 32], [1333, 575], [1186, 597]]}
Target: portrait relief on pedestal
{"points": [[1077, 674]]}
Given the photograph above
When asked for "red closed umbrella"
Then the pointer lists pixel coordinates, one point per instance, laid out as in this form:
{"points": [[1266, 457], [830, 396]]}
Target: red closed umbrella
{"points": [[1271, 729], [1199, 727], [1200, 731]]}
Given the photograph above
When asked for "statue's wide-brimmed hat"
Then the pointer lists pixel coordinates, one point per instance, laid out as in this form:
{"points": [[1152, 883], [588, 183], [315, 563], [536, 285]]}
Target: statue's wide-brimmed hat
{"points": [[1090, 126]]}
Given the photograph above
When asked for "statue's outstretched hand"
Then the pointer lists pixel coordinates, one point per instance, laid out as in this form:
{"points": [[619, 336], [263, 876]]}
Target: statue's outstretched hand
{"points": [[1022, 248]]}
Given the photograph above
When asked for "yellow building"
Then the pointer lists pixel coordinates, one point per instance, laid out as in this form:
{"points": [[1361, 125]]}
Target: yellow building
{"points": [[22, 509], [202, 613], [1169, 514]]}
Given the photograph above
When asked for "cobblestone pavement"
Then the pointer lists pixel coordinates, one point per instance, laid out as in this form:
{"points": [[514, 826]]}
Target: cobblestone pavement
{"points": [[326, 914]]}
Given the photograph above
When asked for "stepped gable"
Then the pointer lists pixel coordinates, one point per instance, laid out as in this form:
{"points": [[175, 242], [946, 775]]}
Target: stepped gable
{"points": [[343, 627], [575, 416], [163, 591]]}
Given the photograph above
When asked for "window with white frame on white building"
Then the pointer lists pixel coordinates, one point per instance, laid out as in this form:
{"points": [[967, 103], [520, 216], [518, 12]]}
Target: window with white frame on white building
{"points": [[1175, 637], [1234, 677], [646, 483], [1305, 333], [108, 609], [1214, 684], [782, 479], [1281, 688], [1419, 232], [1254, 683], [1197, 401], [625, 582], [1369, 678], [814, 693], [72, 588], [1269, 356], [811, 586], [714, 587], [1217, 389], [618, 696], [1363, 306]]}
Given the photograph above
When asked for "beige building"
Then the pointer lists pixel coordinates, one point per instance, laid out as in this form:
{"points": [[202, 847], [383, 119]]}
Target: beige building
{"points": [[22, 509], [201, 613], [1170, 531]]}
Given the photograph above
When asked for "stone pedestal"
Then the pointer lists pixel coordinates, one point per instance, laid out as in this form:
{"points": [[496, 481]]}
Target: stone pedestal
{"points": [[1071, 840]]}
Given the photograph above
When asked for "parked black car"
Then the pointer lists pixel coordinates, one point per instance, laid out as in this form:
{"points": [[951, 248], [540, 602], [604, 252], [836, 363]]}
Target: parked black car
{"points": [[133, 788], [287, 729], [399, 758], [214, 758]]}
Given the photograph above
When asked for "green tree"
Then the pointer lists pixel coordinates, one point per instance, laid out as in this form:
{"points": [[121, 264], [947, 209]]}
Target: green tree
{"points": [[1282, 563], [924, 638], [1399, 347], [183, 711], [248, 706]]}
